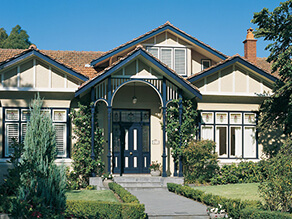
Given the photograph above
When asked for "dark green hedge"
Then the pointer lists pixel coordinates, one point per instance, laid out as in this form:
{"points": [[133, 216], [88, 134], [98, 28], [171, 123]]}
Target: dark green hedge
{"points": [[252, 213], [97, 209], [126, 196], [232, 206]]}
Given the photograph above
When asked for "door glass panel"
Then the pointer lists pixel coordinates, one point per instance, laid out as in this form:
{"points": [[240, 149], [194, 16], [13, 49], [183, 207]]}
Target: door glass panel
{"points": [[117, 138], [145, 116], [135, 139], [135, 161], [126, 139], [131, 116], [116, 116], [145, 161], [145, 139], [116, 161], [126, 162]]}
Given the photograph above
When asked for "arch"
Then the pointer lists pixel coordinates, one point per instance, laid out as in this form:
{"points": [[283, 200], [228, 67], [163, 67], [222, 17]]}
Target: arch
{"points": [[136, 80], [100, 100]]}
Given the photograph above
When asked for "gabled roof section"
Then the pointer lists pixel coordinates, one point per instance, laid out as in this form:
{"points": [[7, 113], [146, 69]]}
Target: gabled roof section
{"points": [[139, 51], [34, 52], [166, 26], [231, 60]]}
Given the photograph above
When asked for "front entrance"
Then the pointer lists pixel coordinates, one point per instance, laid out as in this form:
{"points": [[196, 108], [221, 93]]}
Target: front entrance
{"points": [[131, 141]]}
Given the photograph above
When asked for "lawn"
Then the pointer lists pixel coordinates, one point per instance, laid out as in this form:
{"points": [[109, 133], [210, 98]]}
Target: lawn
{"points": [[244, 191], [91, 195]]}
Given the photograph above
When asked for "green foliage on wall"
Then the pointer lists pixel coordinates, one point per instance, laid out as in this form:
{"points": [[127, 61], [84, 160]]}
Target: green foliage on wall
{"points": [[83, 165]]}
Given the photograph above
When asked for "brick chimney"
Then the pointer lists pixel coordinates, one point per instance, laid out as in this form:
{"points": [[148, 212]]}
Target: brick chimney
{"points": [[250, 47]]}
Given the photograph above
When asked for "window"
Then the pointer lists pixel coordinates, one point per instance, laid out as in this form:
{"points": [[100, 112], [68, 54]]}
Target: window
{"points": [[175, 58], [206, 63], [15, 126], [233, 132]]}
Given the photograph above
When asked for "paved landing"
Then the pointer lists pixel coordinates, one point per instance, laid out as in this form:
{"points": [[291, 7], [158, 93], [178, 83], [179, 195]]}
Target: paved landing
{"points": [[164, 204]]}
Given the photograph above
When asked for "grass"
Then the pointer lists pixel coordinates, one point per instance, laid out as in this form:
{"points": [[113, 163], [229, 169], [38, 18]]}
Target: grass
{"points": [[91, 195], [244, 191]]}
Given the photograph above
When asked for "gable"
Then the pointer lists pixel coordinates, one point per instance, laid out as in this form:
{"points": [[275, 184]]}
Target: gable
{"points": [[34, 73], [235, 80], [159, 36]]}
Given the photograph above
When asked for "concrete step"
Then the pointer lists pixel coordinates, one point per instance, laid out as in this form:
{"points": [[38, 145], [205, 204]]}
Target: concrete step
{"points": [[178, 217], [140, 184], [137, 179]]}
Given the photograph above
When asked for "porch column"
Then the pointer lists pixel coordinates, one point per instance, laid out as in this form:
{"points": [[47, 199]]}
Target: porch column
{"points": [[92, 130], [180, 110], [164, 132], [109, 113]]}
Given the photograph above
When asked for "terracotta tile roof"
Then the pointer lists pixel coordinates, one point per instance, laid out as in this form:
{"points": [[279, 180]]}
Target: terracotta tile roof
{"points": [[129, 54], [75, 60], [262, 65], [148, 33]]}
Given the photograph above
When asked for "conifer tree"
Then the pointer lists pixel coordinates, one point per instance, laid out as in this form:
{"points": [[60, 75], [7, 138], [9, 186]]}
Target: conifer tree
{"points": [[42, 189]]}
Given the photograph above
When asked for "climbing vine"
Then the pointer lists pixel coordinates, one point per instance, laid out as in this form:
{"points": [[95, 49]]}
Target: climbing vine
{"points": [[83, 165], [188, 126]]}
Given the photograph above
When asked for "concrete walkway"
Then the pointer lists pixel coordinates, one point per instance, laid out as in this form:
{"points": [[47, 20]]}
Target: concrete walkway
{"points": [[164, 204]]}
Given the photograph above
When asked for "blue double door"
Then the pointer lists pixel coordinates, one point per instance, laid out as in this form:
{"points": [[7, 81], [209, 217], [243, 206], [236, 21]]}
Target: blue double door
{"points": [[131, 148]]}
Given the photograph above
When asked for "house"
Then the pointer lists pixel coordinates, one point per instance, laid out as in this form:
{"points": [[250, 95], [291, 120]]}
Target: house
{"points": [[131, 86]]}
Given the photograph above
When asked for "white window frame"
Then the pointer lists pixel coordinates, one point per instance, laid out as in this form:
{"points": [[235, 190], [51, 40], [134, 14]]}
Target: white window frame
{"points": [[61, 110], [7, 146], [208, 126], [212, 119], [217, 142], [64, 139], [205, 60], [11, 120], [239, 120], [235, 126], [244, 145], [224, 113], [172, 48]]}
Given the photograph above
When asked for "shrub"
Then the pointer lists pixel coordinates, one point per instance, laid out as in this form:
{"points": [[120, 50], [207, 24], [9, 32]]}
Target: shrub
{"points": [[126, 196], [83, 165], [232, 206], [97, 209], [244, 172], [277, 188], [42, 184], [200, 161], [253, 213]]}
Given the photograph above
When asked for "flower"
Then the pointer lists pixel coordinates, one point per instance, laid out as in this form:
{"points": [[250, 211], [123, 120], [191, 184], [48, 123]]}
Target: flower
{"points": [[154, 165]]}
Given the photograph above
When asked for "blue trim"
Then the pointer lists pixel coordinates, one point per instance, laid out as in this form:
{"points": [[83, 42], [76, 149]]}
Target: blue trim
{"points": [[45, 58], [230, 62], [127, 60], [167, 27]]}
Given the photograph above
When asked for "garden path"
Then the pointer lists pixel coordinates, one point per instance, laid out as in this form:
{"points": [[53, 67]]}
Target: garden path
{"points": [[160, 203]]}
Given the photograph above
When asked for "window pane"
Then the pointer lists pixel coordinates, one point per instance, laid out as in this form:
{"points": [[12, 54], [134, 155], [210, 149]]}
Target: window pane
{"points": [[221, 140], [221, 118], [207, 133], [116, 138], [166, 57], [207, 118], [249, 118], [60, 139], [59, 115], [153, 51], [249, 142], [205, 64], [145, 136], [236, 142], [11, 131], [235, 118], [12, 115], [25, 115], [180, 61], [23, 131]]}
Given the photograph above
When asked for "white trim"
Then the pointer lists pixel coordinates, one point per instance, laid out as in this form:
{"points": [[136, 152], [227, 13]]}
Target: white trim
{"points": [[50, 76], [34, 73], [6, 136], [222, 113], [262, 86], [247, 82], [65, 80], [64, 137], [31, 89], [166, 45], [212, 93], [18, 116], [18, 76], [219, 81], [233, 72], [53, 115], [207, 126]]}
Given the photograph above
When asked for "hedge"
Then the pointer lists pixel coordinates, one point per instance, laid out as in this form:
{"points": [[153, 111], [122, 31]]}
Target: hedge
{"points": [[253, 213], [126, 196], [98, 209], [234, 207]]}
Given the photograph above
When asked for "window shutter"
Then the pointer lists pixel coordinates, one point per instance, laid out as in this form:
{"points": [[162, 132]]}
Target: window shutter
{"points": [[166, 57], [153, 51], [60, 139], [180, 61], [12, 131], [23, 131]]}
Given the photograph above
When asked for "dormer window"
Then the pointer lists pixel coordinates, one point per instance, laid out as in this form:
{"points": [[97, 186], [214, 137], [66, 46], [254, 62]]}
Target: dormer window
{"points": [[173, 57], [206, 63]]}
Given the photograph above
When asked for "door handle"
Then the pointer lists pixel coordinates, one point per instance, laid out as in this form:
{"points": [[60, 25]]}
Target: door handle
{"points": [[131, 153]]}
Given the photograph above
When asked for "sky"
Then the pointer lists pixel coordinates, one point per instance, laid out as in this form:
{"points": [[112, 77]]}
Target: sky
{"points": [[95, 25]]}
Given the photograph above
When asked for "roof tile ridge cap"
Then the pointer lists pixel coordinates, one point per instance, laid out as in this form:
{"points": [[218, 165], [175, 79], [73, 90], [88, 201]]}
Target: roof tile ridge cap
{"points": [[136, 38]]}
